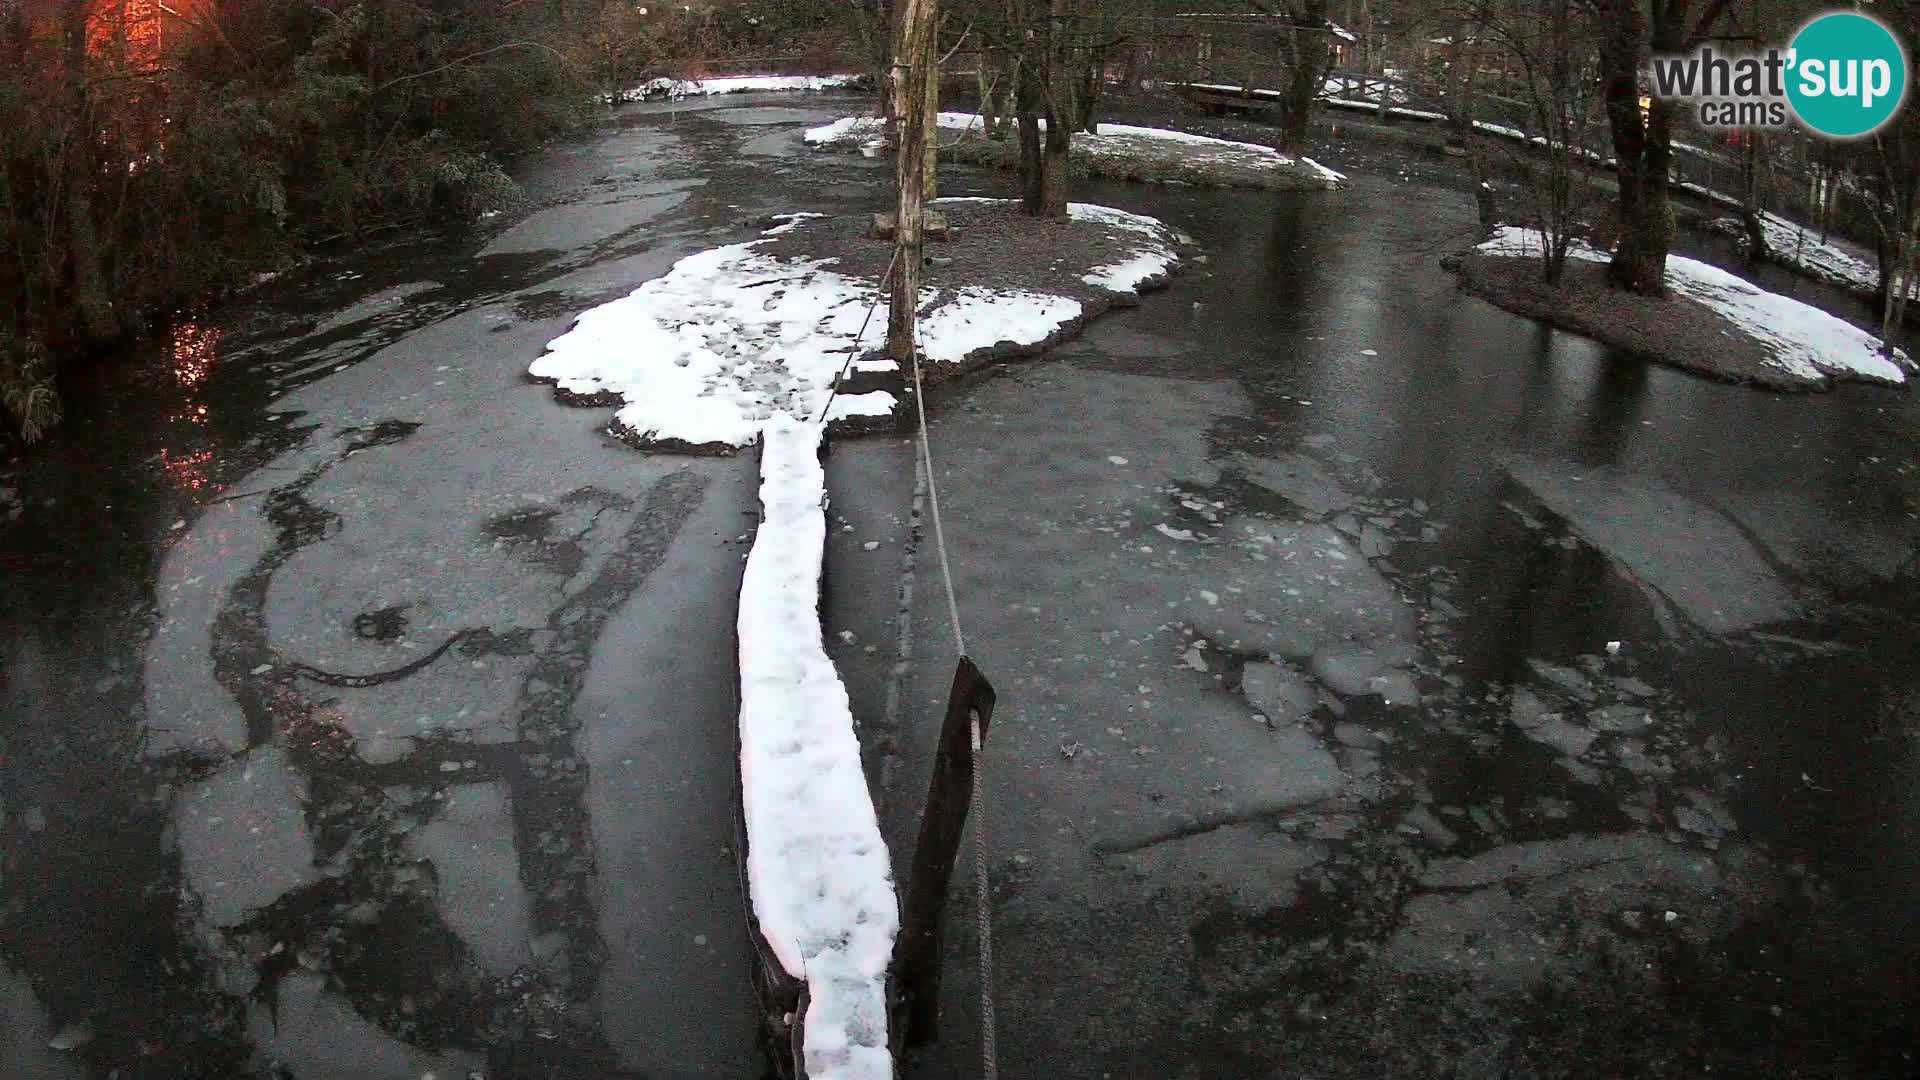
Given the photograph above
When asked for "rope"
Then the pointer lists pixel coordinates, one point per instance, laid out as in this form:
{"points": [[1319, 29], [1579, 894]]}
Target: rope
{"points": [[933, 500], [853, 351], [983, 917], [982, 890]]}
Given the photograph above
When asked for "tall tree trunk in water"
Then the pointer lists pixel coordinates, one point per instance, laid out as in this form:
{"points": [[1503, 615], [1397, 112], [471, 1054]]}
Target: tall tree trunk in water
{"points": [[1641, 148], [1308, 49], [97, 322]]}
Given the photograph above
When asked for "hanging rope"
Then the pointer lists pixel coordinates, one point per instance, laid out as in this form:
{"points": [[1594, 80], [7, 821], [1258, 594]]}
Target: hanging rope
{"points": [[933, 497], [854, 350], [983, 916], [982, 887]]}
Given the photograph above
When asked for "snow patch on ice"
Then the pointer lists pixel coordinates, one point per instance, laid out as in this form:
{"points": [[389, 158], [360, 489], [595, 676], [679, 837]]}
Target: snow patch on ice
{"points": [[1804, 341], [817, 866]]}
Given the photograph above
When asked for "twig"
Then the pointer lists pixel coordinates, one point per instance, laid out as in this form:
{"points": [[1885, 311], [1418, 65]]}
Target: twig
{"points": [[471, 56]]}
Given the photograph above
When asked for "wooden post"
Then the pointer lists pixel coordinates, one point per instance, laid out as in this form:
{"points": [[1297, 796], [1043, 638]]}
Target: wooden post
{"points": [[913, 61], [917, 955]]}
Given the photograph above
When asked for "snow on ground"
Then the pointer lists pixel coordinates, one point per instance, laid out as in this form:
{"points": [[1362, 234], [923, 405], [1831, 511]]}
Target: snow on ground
{"points": [[1805, 342], [708, 353], [817, 867], [729, 338], [1112, 141], [1154, 258], [680, 88], [1802, 249]]}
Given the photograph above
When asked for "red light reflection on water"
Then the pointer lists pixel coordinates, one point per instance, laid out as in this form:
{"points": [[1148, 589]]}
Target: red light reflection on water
{"points": [[188, 472], [193, 349]]}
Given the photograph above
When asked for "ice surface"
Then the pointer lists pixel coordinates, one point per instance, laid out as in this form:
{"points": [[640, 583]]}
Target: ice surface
{"points": [[1299, 479], [481, 895], [1278, 692], [24, 1034], [325, 1039], [1693, 556], [243, 836]]}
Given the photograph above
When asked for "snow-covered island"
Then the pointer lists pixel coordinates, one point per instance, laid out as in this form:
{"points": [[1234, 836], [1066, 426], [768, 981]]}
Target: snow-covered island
{"points": [[702, 358], [1712, 322], [1117, 152]]}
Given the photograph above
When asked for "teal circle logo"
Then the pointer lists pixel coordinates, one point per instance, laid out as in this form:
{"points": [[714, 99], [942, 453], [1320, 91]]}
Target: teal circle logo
{"points": [[1847, 74]]}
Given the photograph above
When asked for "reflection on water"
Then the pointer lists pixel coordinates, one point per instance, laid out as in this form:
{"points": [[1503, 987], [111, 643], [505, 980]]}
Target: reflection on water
{"points": [[193, 348], [187, 472]]}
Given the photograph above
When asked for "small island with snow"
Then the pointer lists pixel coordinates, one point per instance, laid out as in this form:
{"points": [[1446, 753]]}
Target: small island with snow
{"points": [[702, 358], [1711, 322]]}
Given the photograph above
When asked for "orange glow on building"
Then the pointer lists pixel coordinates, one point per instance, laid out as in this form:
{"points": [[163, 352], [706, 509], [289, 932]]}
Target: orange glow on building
{"points": [[139, 33]]}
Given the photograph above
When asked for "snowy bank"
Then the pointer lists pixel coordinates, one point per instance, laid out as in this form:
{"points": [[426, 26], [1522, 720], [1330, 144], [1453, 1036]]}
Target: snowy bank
{"points": [[817, 869], [1802, 250], [674, 89], [1118, 151], [706, 356], [1798, 346]]}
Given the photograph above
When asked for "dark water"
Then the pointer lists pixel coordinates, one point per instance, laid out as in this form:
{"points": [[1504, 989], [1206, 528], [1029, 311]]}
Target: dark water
{"points": [[344, 477], [1580, 530], [263, 545], [1820, 734]]}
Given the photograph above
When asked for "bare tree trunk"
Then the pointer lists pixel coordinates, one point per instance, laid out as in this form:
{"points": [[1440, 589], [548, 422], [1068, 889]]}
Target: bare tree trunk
{"points": [[97, 321], [1483, 194], [930, 168], [913, 62], [1026, 105], [987, 81], [1750, 177], [1641, 150], [1057, 100], [1092, 70], [874, 23], [1053, 190], [1459, 85], [1307, 46]]}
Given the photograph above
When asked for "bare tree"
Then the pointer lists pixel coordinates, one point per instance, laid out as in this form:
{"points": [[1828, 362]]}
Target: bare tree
{"points": [[1308, 45], [1560, 83]]}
